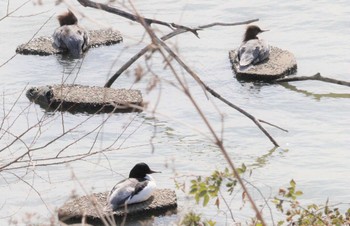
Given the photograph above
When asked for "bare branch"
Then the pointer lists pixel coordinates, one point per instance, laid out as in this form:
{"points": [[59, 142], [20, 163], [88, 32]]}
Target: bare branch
{"points": [[214, 93], [164, 38], [314, 77], [136, 18]]}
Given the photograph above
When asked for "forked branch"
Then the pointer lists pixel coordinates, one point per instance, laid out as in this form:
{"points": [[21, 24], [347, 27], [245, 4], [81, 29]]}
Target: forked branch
{"points": [[181, 29], [136, 18], [164, 38]]}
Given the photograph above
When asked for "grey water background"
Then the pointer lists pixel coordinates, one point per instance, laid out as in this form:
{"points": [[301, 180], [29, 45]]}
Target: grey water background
{"points": [[315, 151]]}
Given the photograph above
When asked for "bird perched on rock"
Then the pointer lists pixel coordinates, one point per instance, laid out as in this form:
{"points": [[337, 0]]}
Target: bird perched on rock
{"points": [[252, 50], [137, 188], [70, 37]]}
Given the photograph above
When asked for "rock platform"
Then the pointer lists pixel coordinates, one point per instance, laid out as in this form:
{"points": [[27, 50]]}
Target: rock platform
{"points": [[279, 64], [43, 45], [93, 208], [89, 99]]}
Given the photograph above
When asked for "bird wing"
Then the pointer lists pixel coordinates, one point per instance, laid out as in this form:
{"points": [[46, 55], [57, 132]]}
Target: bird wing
{"points": [[252, 52], [125, 190], [139, 187], [121, 192], [264, 52], [58, 37]]}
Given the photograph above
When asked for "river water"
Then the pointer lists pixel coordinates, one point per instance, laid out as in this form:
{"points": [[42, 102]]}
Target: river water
{"points": [[174, 139]]}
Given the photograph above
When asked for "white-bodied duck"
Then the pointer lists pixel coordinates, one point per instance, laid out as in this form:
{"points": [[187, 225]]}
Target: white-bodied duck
{"points": [[70, 37], [137, 188], [252, 50]]}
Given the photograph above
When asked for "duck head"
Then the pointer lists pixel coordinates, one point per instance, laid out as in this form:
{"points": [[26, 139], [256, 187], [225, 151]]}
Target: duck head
{"points": [[252, 32], [67, 18], [140, 170]]}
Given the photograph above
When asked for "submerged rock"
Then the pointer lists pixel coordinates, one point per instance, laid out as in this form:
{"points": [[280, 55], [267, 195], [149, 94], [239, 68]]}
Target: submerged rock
{"points": [[93, 208], [43, 45], [279, 64], [90, 99]]}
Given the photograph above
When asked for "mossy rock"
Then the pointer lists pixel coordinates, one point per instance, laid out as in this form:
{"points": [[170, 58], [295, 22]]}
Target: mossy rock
{"points": [[93, 208], [279, 64], [89, 99], [43, 45]]}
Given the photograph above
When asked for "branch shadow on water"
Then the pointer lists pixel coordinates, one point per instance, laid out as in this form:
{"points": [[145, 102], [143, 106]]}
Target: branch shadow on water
{"points": [[264, 159]]}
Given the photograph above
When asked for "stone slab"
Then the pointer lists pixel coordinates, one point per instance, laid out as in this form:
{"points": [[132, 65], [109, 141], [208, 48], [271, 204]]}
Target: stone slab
{"points": [[90, 99], [279, 64], [43, 45], [93, 207]]}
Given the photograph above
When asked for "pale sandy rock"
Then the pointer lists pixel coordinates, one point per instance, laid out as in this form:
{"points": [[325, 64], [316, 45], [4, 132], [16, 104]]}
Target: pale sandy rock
{"points": [[94, 207], [90, 99], [279, 64], [43, 45]]}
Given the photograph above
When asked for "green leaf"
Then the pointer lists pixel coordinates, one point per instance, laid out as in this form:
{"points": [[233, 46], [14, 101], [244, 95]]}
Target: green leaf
{"points": [[193, 190], [227, 170], [202, 193], [206, 200], [244, 168], [211, 223], [297, 193], [193, 181], [292, 183], [196, 197]]}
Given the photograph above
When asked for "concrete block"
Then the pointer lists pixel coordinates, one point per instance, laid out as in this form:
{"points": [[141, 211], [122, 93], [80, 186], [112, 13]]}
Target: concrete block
{"points": [[279, 64], [90, 99], [43, 45]]}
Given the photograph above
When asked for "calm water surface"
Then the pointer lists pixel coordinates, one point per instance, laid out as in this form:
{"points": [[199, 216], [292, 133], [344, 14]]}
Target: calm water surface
{"points": [[315, 151]]}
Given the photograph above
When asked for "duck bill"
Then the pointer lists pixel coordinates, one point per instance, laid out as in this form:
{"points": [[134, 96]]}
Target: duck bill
{"points": [[263, 31], [152, 171]]}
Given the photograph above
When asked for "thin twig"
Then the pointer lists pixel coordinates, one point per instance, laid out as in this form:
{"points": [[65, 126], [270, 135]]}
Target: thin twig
{"points": [[265, 200], [29, 39], [9, 13], [31, 15], [6, 115], [273, 125], [227, 206], [32, 187]]}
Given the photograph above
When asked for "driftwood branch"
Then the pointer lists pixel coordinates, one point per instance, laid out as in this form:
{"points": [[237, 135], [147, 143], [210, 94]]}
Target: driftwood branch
{"points": [[317, 77], [136, 18], [164, 38], [180, 29]]}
